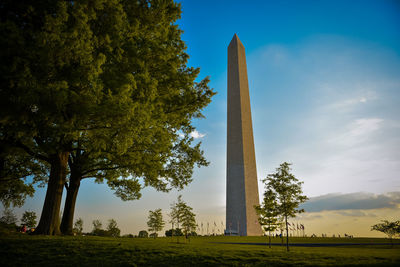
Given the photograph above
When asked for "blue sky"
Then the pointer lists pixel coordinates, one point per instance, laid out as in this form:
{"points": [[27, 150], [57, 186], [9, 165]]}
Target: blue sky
{"points": [[324, 80]]}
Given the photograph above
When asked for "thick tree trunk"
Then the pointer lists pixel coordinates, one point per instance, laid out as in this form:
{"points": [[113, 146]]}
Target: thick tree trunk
{"points": [[69, 206], [49, 223]]}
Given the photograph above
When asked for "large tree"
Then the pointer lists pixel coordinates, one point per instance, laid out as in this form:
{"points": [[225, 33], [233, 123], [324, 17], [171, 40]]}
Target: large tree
{"points": [[289, 194], [103, 86]]}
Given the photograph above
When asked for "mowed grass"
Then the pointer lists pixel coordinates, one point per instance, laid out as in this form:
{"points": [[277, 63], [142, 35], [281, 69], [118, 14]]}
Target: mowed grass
{"points": [[24, 250]]}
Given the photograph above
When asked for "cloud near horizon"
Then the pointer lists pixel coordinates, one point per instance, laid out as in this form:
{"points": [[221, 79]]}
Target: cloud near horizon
{"points": [[352, 201]]}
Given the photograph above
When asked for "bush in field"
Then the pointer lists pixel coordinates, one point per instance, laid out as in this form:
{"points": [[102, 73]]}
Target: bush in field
{"points": [[153, 235], [128, 236], [29, 219], [174, 232], [143, 234]]}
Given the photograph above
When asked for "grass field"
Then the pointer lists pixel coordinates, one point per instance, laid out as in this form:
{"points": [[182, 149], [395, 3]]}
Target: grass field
{"points": [[24, 250]]}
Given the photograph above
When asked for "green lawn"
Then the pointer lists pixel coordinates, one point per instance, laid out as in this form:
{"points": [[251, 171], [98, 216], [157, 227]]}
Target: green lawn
{"points": [[24, 250]]}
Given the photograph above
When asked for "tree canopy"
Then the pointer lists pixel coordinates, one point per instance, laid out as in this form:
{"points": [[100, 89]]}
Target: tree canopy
{"points": [[99, 89]]}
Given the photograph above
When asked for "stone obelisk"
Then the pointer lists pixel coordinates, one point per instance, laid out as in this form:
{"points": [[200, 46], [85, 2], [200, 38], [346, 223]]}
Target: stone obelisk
{"points": [[241, 172]]}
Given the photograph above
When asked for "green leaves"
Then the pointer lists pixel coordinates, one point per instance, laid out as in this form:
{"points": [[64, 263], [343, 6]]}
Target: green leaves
{"points": [[282, 198], [182, 214], [287, 189], [29, 219], [155, 222], [268, 211]]}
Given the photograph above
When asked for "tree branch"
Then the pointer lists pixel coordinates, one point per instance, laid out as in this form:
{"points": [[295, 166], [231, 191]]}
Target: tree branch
{"points": [[31, 153]]}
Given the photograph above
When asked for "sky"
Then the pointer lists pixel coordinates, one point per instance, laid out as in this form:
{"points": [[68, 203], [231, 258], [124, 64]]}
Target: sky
{"points": [[324, 79]]}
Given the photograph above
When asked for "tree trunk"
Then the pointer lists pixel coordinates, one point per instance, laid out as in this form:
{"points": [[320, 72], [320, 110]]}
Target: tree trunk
{"points": [[269, 238], [49, 223], [69, 206], [287, 235]]}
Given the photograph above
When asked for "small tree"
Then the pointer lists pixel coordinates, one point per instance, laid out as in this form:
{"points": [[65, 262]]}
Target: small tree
{"points": [[389, 228], [143, 234], [97, 227], [176, 213], [155, 222], [8, 217], [29, 219], [268, 212], [288, 192], [112, 228], [188, 220], [78, 226]]}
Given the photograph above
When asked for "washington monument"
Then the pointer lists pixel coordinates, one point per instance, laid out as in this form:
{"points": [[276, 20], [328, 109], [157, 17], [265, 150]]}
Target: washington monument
{"points": [[241, 172]]}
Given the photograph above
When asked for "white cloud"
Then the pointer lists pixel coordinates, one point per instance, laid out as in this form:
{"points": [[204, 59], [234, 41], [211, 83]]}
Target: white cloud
{"points": [[356, 132], [365, 126], [196, 135]]}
